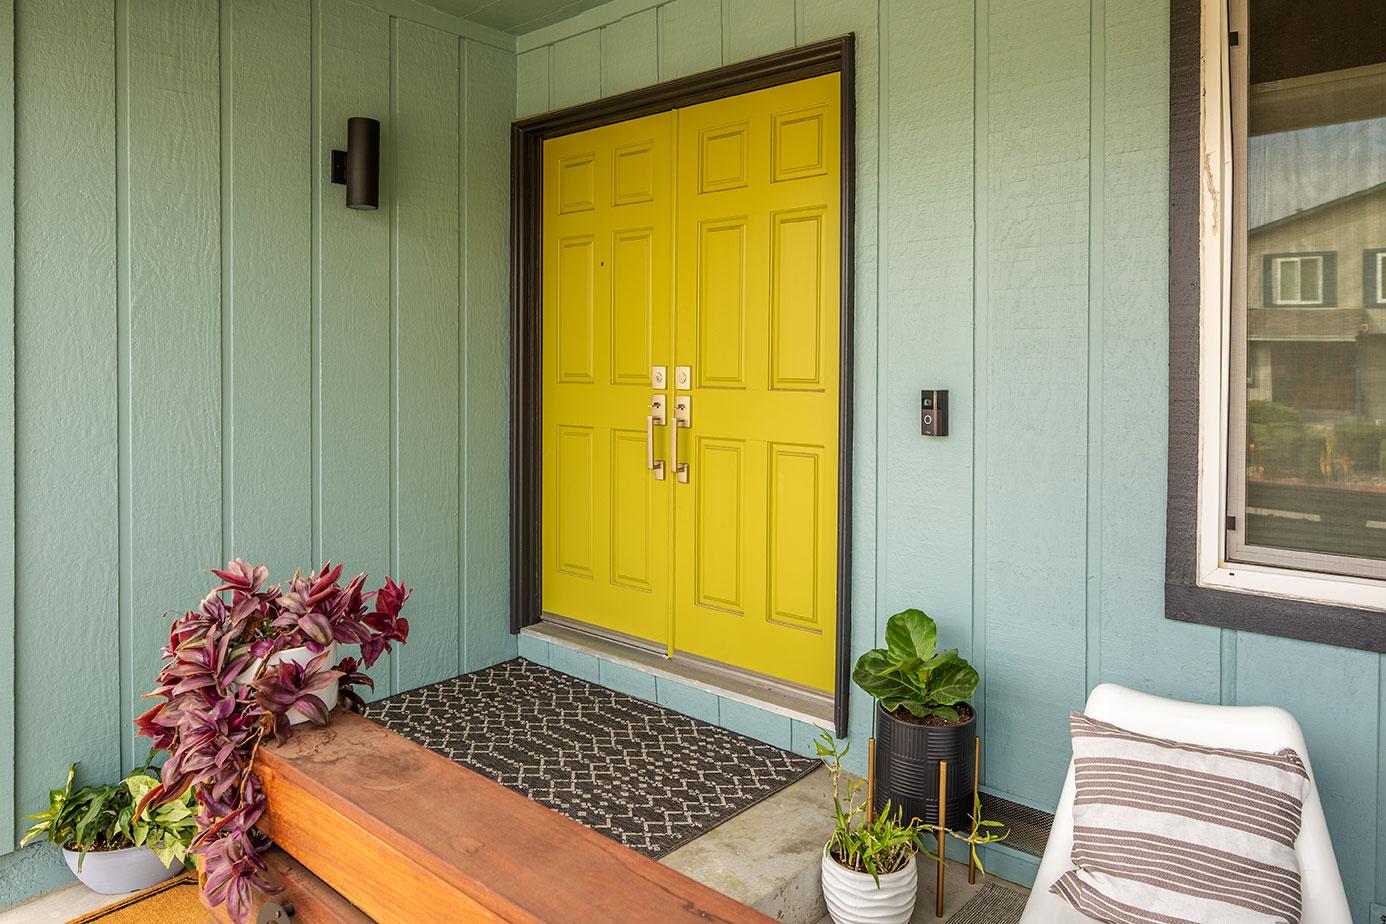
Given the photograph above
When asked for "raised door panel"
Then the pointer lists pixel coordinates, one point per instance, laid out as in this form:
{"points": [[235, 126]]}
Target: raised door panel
{"points": [[721, 303], [720, 524], [793, 564], [574, 500], [632, 305], [630, 526], [576, 268], [796, 299]]}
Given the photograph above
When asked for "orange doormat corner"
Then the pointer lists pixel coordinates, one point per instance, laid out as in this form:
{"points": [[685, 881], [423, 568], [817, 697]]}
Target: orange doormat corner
{"points": [[174, 901]]}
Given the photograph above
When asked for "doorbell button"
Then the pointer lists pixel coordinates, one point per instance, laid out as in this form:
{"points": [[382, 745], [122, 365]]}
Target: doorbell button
{"points": [[933, 412]]}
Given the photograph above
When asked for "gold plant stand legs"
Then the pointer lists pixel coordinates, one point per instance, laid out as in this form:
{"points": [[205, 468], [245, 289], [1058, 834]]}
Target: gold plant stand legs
{"points": [[942, 827], [976, 779]]}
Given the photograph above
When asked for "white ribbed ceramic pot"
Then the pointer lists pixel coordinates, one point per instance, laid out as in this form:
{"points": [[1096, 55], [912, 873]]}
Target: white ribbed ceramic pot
{"points": [[298, 656], [114, 872], [854, 898]]}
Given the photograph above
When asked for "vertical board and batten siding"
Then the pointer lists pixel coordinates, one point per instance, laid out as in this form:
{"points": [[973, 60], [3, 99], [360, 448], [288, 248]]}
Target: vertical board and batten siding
{"points": [[7, 593], [1012, 199], [488, 79], [214, 357]]}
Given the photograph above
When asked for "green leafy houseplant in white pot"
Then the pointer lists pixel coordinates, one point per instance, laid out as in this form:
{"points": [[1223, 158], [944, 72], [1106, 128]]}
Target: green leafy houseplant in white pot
{"points": [[109, 845], [922, 719]]}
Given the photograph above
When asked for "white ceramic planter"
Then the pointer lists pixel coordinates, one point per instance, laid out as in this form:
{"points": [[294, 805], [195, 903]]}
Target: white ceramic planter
{"points": [[113, 872], [854, 898], [298, 656]]}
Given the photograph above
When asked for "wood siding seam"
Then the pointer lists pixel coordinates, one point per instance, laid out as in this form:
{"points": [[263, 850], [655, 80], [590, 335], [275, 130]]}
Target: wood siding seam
{"points": [[981, 340], [464, 310], [315, 285], [125, 643], [1097, 63], [7, 419], [392, 350]]}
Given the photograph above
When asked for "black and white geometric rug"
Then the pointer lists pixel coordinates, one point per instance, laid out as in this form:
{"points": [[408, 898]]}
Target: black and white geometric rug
{"points": [[643, 775]]}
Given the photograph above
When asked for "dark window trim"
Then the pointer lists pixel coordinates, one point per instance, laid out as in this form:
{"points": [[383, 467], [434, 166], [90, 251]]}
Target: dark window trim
{"points": [[1370, 261], [526, 387], [1328, 284], [1185, 600]]}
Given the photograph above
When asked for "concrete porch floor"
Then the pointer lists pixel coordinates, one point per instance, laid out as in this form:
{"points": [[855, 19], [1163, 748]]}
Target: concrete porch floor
{"points": [[767, 857]]}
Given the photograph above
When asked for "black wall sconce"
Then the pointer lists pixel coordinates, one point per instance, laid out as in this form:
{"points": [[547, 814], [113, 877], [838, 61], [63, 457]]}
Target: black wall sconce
{"points": [[358, 167]]}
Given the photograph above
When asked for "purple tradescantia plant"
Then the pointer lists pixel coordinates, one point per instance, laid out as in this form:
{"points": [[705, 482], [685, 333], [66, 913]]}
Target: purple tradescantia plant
{"points": [[221, 697]]}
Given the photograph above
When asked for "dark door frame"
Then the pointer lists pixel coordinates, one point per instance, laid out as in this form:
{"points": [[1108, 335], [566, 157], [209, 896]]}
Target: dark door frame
{"points": [[526, 248]]}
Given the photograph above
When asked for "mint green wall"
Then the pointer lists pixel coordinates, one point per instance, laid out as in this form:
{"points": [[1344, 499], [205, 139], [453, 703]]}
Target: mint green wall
{"points": [[214, 357], [1013, 244]]}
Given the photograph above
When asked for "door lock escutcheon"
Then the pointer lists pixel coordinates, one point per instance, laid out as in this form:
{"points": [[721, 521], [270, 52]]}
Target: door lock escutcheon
{"points": [[659, 376], [683, 377]]}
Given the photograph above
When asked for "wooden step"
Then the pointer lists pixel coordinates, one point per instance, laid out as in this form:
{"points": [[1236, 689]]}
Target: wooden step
{"points": [[407, 836], [306, 898]]}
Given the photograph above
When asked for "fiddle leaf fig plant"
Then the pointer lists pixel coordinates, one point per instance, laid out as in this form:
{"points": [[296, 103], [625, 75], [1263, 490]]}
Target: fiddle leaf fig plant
{"points": [[911, 674]]}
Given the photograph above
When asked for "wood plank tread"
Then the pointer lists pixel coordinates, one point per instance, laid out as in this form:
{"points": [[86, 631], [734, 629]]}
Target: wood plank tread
{"points": [[406, 835]]}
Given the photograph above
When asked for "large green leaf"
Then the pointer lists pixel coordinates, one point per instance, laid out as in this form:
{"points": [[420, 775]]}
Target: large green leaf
{"points": [[911, 634], [873, 675], [952, 682]]}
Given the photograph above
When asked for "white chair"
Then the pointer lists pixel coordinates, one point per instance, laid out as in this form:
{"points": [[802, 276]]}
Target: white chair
{"points": [[1251, 728]]}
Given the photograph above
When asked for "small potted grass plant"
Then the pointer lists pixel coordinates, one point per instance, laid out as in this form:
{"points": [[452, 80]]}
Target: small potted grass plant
{"points": [[110, 845], [870, 866], [869, 871], [922, 719]]}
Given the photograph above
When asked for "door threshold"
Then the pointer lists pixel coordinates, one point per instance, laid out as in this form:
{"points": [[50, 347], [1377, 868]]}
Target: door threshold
{"points": [[812, 707]]}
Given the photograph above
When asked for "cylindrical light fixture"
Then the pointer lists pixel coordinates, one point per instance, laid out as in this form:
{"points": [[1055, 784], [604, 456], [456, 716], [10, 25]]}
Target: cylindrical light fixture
{"points": [[358, 167]]}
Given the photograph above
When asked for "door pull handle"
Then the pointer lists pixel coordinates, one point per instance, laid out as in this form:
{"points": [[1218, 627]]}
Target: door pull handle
{"points": [[683, 418], [653, 419]]}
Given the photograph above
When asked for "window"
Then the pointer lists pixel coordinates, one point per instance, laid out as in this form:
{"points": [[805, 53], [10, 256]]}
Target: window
{"points": [[1296, 280], [1291, 477], [1374, 276]]}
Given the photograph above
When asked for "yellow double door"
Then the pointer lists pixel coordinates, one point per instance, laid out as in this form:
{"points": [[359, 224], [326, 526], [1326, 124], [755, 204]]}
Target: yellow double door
{"points": [[691, 352]]}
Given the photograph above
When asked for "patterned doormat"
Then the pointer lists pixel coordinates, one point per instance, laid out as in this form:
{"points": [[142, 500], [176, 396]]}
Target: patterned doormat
{"points": [[643, 775], [993, 904]]}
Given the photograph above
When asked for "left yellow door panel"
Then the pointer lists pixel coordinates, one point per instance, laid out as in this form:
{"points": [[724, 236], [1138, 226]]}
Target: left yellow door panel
{"points": [[608, 248]]}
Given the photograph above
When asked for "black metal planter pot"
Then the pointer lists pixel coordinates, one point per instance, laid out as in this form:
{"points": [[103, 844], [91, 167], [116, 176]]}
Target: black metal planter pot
{"points": [[907, 759]]}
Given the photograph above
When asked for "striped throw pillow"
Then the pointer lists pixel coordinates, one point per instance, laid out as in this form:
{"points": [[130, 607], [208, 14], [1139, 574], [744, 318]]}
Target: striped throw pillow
{"points": [[1166, 832]]}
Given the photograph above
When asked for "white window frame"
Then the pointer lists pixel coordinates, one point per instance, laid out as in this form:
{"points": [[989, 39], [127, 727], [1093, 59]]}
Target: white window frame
{"points": [[1217, 274], [1299, 261], [1381, 277]]}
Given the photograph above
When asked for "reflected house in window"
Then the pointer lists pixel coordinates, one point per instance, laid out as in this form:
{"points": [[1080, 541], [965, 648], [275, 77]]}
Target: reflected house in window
{"points": [[1316, 324]]}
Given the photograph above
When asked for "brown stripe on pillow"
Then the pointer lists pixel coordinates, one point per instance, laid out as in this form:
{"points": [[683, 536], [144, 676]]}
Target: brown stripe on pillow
{"points": [[1097, 906], [1285, 758], [1171, 832]]}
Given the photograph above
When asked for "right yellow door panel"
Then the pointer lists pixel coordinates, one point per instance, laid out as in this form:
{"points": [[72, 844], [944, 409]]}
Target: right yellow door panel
{"points": [[756, 318]]}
